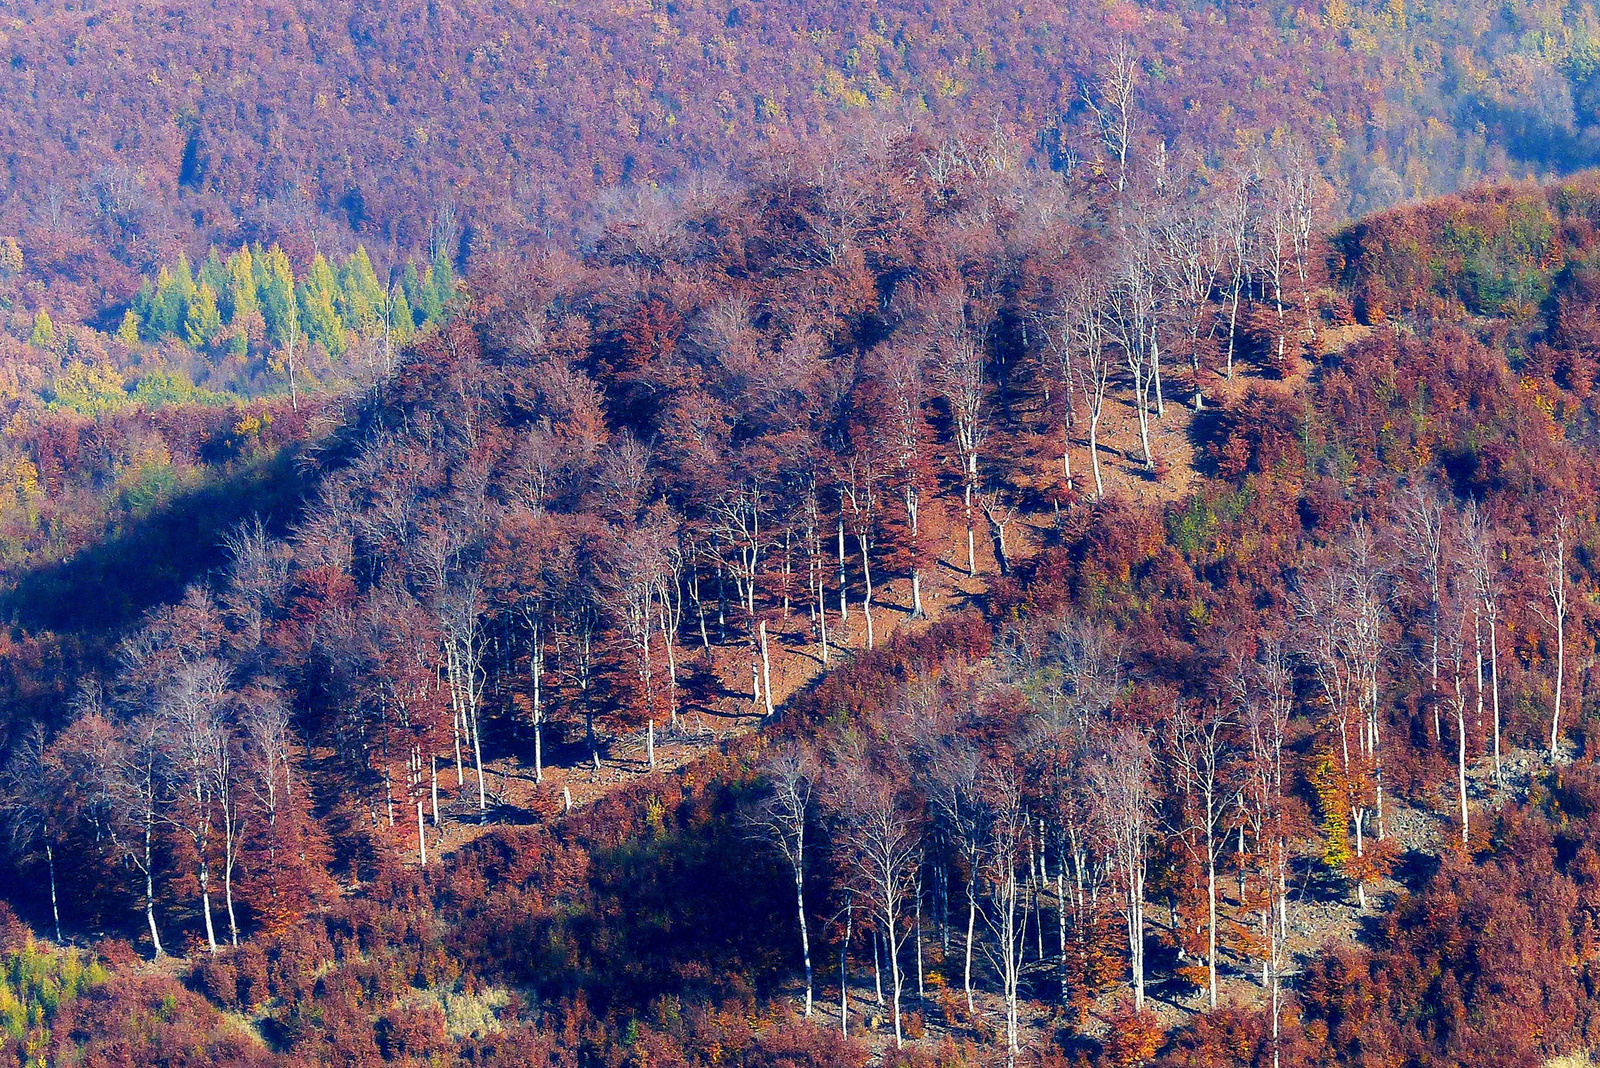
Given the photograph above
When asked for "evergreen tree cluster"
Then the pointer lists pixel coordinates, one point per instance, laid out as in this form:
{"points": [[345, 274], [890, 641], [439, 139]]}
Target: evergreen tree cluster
{"points": [[254, 301]]}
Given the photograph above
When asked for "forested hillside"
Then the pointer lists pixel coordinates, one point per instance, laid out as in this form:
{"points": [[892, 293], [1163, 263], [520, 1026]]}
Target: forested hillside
{"points": [[927, 609], [142, 130]]}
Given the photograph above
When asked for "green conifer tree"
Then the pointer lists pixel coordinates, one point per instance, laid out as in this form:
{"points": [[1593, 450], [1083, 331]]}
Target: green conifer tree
{"points": [[175, 288], [212, 272], [411, 286], [258, 264], [128, 332], [360, 296], [427, 301], [144, 309], [402, 324], [315, 295], [165, 311], [203, 322], [237, 297], [444, 283], [277, 297], [44, 331]]}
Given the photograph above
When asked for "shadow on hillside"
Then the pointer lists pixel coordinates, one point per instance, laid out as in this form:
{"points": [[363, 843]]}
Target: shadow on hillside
{"points": [[1414, 868], [1207, 431], [151, 558]]}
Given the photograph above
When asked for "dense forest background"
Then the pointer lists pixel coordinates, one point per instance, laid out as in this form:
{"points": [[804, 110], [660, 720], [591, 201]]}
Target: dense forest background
{"points": [[796, 535], [138, 133]]}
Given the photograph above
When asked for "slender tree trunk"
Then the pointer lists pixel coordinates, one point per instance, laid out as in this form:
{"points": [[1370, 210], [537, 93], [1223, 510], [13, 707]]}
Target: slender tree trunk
{"points": [[699, 607], [1011, 955], [594, 742], [972, 919], [1233, 323], [538, 707], [1494, 694], [1357, 816], [55, 909], [1094, 454], [150, 912], [388, 783], [455, 734], [1141, 390], [477, 760], [672, 673], [972, 548], [422, 838], [1211, 921], [1061, 924], [805, 935], [205, 906], [766, 670], [1461, 758], [1136, 947], [896, 982], [844, 974], [1561, 671], [822, 620], [916, 928], [866, 579], [1155, 369], [1477, 664], [877, 966], [227, 893], [1066, 442], [913, 507], [844, 598]]}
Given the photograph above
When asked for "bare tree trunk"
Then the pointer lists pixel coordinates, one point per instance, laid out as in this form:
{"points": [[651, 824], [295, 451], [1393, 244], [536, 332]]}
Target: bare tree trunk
{"points": [[1477, 662], [877, 966], [1561, 672], [866, 578], [150, 888], [1094, 454], [913, 507], [1233, 321], [1061, 924], [1211, 920], [766, 668], [844, 598], [227, 892], [205, 906], [972, 919], [844, 977], [972, 550], [1494, 693], [1155, 368], [1141, 404], [1461, 758], [477, 760], [55, 909], [822, 620], [916, 927], [805, 932], [455, 734], [422, 838], [150, 912], [897, 982], [537, 668]]}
